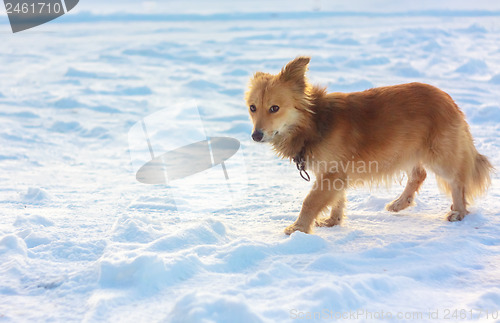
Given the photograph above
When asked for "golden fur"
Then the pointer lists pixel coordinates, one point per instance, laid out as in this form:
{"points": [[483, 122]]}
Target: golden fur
{"points": [[396, 128]]}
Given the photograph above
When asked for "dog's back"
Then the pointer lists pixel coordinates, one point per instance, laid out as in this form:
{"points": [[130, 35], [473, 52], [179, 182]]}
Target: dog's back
{"points": [[404, 125]]}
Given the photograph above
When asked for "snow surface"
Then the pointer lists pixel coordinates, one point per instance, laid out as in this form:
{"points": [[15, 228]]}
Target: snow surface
{"points": [[82, 240]]}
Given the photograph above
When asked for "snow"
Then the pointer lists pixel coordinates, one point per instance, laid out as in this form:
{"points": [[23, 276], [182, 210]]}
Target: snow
{"points": [[82, 240]]}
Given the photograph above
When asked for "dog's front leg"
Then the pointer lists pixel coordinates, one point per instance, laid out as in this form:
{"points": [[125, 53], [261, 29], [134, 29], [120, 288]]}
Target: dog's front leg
{"points": [[324, 191]]}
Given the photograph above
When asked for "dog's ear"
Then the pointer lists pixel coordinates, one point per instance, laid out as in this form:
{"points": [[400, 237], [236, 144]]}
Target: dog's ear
{"points": [[295, 70]]}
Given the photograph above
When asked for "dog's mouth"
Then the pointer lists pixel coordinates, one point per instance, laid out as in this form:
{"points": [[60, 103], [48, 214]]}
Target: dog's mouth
{"points": [[275, 137], [270, 136], [283, 130]]}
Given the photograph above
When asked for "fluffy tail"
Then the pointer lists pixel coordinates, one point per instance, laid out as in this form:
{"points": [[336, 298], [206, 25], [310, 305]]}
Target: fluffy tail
{"points": [[479, 179], [475, 177]]}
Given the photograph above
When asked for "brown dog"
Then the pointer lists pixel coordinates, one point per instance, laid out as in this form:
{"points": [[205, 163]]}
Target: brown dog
{"points": [[349, 139]]}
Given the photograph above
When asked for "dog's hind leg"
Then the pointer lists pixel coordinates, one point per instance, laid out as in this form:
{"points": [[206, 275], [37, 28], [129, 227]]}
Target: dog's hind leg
{"points": [[415, 180], [336, 214], [458, 209]]}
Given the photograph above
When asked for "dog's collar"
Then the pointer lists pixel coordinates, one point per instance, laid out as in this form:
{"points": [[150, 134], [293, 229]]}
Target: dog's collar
{"points": [[300, 162]]}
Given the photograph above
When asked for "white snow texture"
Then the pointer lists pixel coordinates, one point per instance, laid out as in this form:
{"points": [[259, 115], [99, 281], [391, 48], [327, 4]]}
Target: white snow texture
{"points": [[82, 240]]}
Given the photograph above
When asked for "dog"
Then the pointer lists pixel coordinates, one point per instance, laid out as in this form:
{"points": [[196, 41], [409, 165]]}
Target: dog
{"points": [[358, 138]]}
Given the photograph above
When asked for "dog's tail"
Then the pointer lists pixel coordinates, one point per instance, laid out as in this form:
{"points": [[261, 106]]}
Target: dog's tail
{"points": [[479, 177], [475, 175]]}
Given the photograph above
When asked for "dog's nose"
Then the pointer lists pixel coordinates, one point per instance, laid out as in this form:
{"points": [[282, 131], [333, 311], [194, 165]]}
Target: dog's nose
{"points": [[257, 135]]}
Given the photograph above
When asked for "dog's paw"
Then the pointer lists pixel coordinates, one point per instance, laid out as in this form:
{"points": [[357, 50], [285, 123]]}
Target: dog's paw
{"points": [[399, 204], [454, 216], [297, 227], [328, 222]]}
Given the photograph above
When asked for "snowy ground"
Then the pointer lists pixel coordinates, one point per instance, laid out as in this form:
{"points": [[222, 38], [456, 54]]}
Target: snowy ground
{"points": [[82, 240]]}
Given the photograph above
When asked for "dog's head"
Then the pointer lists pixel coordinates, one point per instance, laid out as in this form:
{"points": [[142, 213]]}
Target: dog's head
{"points": [[275, 102]]}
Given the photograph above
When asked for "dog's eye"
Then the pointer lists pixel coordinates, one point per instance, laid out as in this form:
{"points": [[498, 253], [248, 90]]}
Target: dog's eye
{"points": [[253, 108], [274, 108]]}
